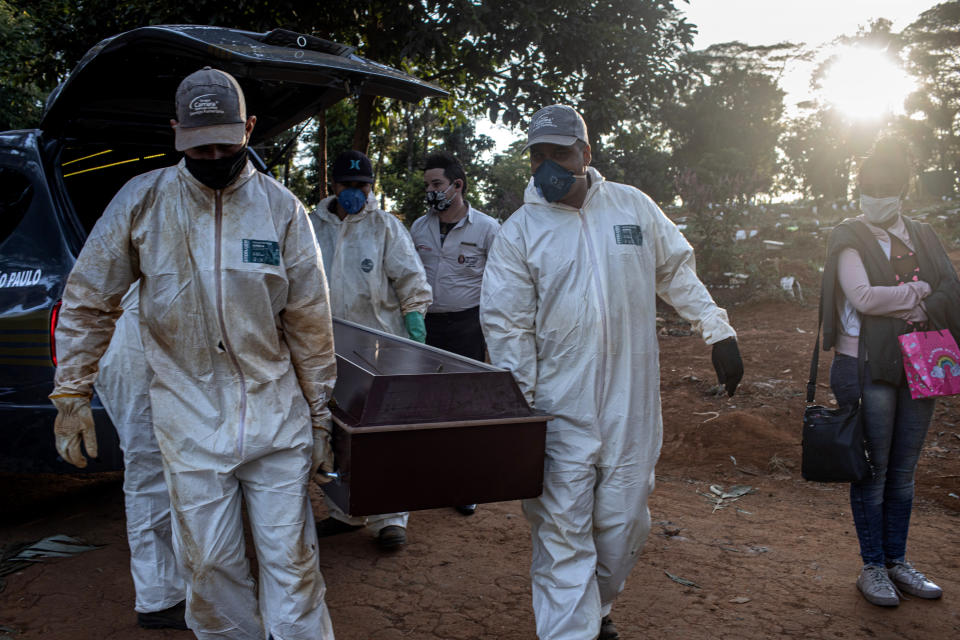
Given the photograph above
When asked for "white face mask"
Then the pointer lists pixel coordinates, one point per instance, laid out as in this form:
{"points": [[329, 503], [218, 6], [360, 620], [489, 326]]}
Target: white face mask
{"points": [[879, 211]]}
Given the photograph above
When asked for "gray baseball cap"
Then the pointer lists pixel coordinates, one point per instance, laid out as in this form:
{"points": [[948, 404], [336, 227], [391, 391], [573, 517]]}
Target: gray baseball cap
{"points": [[556, 124], [210, 110]]}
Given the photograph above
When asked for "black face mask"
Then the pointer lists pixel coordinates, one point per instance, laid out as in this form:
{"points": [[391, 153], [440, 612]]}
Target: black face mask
{"points": [[218, 173]]}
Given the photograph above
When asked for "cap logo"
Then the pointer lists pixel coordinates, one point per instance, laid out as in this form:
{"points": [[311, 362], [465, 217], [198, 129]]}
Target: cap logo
{"points": [[204, 104], [542, 121], [355, 164]]}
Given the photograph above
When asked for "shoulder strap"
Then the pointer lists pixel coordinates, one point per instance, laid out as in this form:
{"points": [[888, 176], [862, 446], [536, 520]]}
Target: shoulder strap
{"points": [[815, 359]]}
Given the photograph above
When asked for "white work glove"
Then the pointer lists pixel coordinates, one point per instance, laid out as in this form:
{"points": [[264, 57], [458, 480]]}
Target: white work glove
{"points": [[74, 421], [322, 452]]}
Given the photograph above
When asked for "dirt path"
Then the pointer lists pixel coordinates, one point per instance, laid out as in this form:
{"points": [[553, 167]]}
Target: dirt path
{"points": [[779, 562]]}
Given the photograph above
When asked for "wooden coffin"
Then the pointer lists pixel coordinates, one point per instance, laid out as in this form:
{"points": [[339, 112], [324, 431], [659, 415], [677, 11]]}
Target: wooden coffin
{"points": [[419, 428]]}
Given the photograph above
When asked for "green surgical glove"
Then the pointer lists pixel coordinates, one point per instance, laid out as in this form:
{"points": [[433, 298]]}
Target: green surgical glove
{"points": [[415, 326]]}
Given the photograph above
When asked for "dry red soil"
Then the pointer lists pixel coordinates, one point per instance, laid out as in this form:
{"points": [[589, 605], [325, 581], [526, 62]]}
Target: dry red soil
{"points": [[779, 562]]}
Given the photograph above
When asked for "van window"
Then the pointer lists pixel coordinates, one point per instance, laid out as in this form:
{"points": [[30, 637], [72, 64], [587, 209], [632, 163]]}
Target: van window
{"points": [[93, 174], [16, 193]]}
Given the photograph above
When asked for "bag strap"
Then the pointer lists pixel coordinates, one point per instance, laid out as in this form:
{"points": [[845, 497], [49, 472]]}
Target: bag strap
{"points": [[815, 358]]}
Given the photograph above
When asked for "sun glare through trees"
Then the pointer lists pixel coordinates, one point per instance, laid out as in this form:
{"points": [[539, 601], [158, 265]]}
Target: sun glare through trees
{"points": [[866, 84]]}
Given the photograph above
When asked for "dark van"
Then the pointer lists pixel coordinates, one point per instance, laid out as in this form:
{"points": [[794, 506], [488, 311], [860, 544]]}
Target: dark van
{"points": [[108, 122]]}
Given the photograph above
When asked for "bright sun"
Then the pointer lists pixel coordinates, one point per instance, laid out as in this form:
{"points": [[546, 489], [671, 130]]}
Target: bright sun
{"points": [[866, 84]]}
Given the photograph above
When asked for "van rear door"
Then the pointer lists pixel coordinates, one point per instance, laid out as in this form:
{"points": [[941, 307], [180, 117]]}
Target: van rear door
{"points": [[122, 90]]}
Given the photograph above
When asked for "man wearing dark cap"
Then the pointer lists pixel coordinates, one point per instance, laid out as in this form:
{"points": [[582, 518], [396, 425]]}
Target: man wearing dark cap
{"points": [[235, 325], [568, 304], [377, 280]]}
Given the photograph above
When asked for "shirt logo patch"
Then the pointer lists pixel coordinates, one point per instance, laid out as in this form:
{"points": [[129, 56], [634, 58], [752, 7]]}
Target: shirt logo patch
{"points": [[628, 234], [366, 265], [470, 261], [261, 251]]}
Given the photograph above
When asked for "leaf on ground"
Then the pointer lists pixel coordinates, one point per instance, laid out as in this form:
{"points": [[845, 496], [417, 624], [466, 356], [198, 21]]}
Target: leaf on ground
{"points": [[739, 600], [683, 581], [737, 491]]}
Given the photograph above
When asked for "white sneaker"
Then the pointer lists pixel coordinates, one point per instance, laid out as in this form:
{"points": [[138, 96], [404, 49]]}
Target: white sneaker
{"points": [[911, 581], [876, 587]]}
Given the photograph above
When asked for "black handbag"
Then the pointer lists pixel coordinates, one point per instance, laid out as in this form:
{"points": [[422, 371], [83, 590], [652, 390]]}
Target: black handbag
{"points": [[833, 445]]}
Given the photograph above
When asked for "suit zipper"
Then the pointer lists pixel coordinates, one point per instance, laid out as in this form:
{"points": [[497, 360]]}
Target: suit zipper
{"points": [[603, 307], [223, 325]]}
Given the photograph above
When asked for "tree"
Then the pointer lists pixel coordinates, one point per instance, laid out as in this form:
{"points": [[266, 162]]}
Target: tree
{"points": [[933, 53], [402, 146], [821, 147], [616, 60], [726, 125], [636, 156], [822, 143], [21, 92], [507, 177]]}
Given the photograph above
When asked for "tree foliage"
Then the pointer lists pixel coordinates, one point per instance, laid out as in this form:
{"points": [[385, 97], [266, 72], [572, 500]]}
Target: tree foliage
{"points": [[822, 144], [933, 53], [21, 90], [663, 118], [507, 177], [726, 125]]}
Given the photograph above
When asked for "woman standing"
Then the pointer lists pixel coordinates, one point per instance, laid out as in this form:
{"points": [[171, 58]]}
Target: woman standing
{"points": [[885, 275]]}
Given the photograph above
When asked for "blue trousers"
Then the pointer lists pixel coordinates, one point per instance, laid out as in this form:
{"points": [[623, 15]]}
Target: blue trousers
{"points": [[895, 426]]}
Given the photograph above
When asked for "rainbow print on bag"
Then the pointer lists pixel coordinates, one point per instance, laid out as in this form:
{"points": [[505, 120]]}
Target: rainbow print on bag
{"points": [[946, 365], [931, 361]]}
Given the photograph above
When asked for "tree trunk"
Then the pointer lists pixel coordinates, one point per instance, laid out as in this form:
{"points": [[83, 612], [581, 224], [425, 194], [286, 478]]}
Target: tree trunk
{"points": [[361, 134], [321, 155]]}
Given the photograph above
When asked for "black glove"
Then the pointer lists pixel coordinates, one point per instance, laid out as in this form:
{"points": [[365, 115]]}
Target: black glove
{"points": [[728, 364]]}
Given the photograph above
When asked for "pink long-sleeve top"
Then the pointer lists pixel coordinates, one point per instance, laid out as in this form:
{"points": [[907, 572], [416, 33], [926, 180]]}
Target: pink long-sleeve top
{"points": [[902, 301]]}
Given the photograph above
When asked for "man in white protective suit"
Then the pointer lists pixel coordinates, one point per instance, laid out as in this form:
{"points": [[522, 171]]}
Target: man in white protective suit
{"points": [[123, 385], [236, 328], [568, 305], [377, 280]]}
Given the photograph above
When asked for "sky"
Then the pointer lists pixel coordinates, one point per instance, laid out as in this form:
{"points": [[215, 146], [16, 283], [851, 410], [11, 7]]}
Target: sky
{"points": [[761, 22], [811, 21]]}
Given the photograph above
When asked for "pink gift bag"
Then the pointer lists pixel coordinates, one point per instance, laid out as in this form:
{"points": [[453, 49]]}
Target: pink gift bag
{"points": [[931, 361]]}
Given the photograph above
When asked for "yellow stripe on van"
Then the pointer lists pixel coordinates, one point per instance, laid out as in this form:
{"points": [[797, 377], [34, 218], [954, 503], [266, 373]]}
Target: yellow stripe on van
{"points": [[112, 164]]}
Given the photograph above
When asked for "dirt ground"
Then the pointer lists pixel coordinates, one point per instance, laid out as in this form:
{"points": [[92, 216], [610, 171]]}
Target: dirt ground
{"points": [[779, 562]]}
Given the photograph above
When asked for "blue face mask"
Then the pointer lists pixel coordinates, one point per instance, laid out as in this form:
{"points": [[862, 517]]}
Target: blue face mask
{"points": [[553, 181], [352, 200]]}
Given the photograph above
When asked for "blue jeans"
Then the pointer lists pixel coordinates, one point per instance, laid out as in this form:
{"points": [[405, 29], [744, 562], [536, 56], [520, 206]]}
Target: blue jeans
{"points": [[895, 426]]}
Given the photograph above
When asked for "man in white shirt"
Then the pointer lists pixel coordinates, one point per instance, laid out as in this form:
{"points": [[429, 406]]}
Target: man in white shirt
{"points": [[452, 240]]}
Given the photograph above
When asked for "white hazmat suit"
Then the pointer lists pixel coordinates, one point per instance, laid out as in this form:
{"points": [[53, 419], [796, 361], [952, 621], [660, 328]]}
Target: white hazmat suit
{"points": [[236, 328], [123, 386], [373, 269], [375, 278], [569, 306]]}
